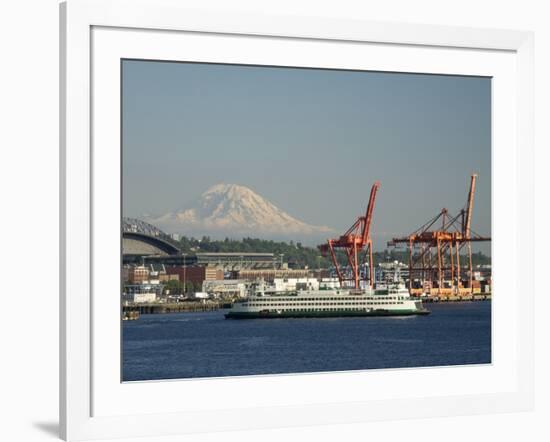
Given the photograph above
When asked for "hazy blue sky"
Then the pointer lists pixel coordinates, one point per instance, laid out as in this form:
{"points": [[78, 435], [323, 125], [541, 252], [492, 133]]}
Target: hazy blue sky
{"points": [[311, 141]]}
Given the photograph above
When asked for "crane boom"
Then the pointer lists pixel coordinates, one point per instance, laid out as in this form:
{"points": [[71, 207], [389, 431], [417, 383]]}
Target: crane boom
{"points": [[368, 213], [469, 207]]}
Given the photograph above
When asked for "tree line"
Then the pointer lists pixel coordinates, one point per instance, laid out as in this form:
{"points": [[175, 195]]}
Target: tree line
{"points": [[294, 253]]}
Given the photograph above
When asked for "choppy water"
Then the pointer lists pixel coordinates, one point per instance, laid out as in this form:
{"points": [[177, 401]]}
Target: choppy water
{"points": [[191, 345]]}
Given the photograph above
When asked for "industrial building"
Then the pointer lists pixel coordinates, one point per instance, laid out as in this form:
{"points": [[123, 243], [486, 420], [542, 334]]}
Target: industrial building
{"points": [[195, 274], [236, 261], [388, 272], [139, 298], [225, 287], [292, 284], [270, 274], [135, 274]]}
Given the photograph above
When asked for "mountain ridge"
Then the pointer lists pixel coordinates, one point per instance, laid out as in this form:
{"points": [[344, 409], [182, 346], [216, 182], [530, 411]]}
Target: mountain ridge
{"points": [[235, 210]]}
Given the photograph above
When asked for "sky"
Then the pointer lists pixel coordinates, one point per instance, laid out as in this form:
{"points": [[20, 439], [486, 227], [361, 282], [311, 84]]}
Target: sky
{"points": [[311, 141]]}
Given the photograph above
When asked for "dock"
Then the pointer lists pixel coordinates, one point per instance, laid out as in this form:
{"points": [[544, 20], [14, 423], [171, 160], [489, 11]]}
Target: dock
{"points": [[161, 308], [456, 298]]}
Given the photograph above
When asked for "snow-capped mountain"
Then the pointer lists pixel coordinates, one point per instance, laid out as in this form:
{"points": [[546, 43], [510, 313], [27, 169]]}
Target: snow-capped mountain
{"points": [[233, 210]]}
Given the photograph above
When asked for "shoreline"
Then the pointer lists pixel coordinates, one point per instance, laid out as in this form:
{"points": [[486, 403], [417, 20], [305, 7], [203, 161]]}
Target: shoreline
{"points": [[467, 298], [166, 308], [133, 311]]}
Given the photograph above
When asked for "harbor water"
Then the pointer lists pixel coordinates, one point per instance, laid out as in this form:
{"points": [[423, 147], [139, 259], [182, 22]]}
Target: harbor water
{"points": [[204, 344]]}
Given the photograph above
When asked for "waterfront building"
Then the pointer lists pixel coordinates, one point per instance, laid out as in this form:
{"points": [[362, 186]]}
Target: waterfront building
{"points": [[137, 274], [166, 277], [195, 274], [136, 246], [153, 286], [140, 298], [225, 287], [270, 275], [390, 272], [125, 273], [236, 261], [329, 283], [293, 284]]}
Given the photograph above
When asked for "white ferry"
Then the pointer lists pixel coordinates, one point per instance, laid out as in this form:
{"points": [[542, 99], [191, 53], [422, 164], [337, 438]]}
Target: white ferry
{"points": [[267, 303]]}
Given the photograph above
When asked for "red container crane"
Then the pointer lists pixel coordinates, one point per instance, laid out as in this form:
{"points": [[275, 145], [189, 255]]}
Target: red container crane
{"points": [[434, 253], [353, 242]]}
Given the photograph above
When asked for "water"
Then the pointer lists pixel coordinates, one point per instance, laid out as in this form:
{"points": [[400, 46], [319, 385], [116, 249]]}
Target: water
{"points": [[193, 345]]}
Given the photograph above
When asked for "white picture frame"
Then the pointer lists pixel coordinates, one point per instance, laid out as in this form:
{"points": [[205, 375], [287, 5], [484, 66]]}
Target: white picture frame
{"points": [[94, 34]]}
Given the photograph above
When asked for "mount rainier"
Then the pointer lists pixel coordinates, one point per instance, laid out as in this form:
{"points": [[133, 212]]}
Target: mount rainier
{"points": [[232, 210]]}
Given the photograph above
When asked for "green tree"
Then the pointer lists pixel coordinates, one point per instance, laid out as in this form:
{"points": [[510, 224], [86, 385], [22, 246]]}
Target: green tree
{"points": [[174, 286]]}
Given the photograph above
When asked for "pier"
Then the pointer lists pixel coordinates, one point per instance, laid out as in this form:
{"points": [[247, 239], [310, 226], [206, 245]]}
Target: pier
{"points": [[455, 298], [160, 308]]}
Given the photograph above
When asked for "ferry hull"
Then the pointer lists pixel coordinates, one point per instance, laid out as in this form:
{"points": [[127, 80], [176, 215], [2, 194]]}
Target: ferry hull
{"points": [[323, 314]]}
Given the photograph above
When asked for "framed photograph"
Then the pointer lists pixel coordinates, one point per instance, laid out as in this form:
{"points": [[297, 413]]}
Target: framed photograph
{"points": [[288, 221]]}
